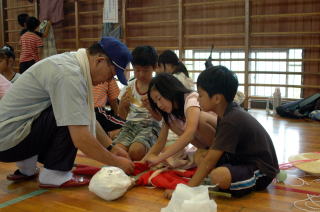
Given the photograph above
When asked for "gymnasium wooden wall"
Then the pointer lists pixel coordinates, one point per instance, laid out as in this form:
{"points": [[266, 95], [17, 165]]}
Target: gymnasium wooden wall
{"points": [[193, 24]]}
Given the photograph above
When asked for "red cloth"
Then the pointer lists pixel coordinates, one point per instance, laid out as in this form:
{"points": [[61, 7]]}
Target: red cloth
{"points": [[166, 179]]}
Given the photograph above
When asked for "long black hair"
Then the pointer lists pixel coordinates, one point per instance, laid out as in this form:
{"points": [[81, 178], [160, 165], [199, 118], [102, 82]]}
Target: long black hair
{"points": [[169, 57], [171, 89]]}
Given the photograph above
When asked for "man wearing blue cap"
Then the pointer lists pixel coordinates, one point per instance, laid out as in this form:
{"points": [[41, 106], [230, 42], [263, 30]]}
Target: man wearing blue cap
{"points": [[48, 114]]}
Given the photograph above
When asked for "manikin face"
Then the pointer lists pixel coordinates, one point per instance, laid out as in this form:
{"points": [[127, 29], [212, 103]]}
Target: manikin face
{"points": [[162, 103], [103, 70], [143, 73], [204, 100]]}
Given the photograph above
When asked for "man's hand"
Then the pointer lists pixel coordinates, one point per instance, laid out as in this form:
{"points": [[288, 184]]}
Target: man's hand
{"points": [[120, 152], [125, 164], [168, 193]]}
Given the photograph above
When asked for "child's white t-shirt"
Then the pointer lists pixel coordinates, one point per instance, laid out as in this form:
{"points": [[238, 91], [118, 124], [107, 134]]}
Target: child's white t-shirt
{"points": [[136, 111], [186, 81]]}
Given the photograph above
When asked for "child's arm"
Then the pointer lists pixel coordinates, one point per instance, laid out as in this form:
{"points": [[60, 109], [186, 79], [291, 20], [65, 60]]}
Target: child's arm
{"points": [[192, 120], [159, 145], [124, 104], [114, 105], [207, 164]]}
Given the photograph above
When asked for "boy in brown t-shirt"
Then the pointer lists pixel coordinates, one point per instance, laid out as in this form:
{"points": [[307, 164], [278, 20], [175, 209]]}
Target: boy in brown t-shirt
{"points": [[242, 158]]}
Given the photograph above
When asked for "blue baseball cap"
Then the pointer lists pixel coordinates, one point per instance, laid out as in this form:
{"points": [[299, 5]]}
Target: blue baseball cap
{"points": [[119, 55]]}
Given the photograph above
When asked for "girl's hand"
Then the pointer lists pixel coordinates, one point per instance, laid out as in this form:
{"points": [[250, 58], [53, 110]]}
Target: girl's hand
{"points": [[168, 193], [152, 160]]}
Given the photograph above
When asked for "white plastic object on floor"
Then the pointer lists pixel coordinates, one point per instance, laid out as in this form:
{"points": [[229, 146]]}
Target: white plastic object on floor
{"points": [[190, 199], [110, 183], [276, 100]]}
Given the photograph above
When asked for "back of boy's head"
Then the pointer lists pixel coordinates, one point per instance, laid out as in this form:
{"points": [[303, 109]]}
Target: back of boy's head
{"points": [[32, 23], [7, 52], [144, 56], [219, 80], [22, 18]]}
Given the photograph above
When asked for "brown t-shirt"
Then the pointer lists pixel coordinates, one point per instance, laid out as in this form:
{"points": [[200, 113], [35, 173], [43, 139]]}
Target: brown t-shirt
{"points": [[241, 135]]}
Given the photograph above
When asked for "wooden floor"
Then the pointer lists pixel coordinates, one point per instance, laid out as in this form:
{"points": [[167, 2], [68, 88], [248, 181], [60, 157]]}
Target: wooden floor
{"points": [[289, 137]]}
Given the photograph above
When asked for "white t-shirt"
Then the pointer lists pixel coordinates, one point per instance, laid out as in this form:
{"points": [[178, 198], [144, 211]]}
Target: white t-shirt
{"points": [[136, 111], [56, 81], [186, 81]]}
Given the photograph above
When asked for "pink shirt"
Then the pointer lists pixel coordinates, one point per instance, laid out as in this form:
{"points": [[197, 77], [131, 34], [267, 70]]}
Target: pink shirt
{"points": [[191, 100], [4, 85]]}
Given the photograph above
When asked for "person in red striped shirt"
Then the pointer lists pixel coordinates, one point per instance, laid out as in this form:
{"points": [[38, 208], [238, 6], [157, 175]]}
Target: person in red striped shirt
{"points": [[104, 93], [31, 45]]}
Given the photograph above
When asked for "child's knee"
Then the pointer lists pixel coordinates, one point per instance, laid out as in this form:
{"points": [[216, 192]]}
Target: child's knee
{"points": [[137, 151], [221, 176]]}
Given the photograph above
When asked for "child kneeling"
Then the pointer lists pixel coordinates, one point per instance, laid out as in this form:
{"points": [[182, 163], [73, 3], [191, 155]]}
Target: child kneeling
{"points": [[181, 113]]}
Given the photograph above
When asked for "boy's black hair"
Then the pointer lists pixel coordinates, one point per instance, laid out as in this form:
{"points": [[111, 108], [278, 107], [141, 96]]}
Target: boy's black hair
{"points": [[22, 18], [219, 80], [169, 57], [144, 56], [32, 24], [7, 51], [171, 89]]}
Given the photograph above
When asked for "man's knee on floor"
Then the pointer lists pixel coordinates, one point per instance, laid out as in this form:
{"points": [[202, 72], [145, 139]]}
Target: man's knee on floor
{"points": [[221, 176]]}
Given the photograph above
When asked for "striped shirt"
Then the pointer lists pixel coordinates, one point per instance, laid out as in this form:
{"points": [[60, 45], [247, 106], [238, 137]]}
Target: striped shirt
{"points": [[30, 42], [104, 91]]}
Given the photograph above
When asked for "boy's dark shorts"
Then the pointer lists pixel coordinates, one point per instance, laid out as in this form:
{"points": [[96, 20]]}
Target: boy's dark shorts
{"points": [[245, 177]]}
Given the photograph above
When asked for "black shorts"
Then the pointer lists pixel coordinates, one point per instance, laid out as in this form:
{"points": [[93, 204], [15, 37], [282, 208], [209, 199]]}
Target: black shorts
{"points": [[108, 120], [245, 177], [23, 66], [52, 144]]}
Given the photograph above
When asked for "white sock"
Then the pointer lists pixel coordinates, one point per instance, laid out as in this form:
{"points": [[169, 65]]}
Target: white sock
{"points": [[54, 177], [28, 166]]}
